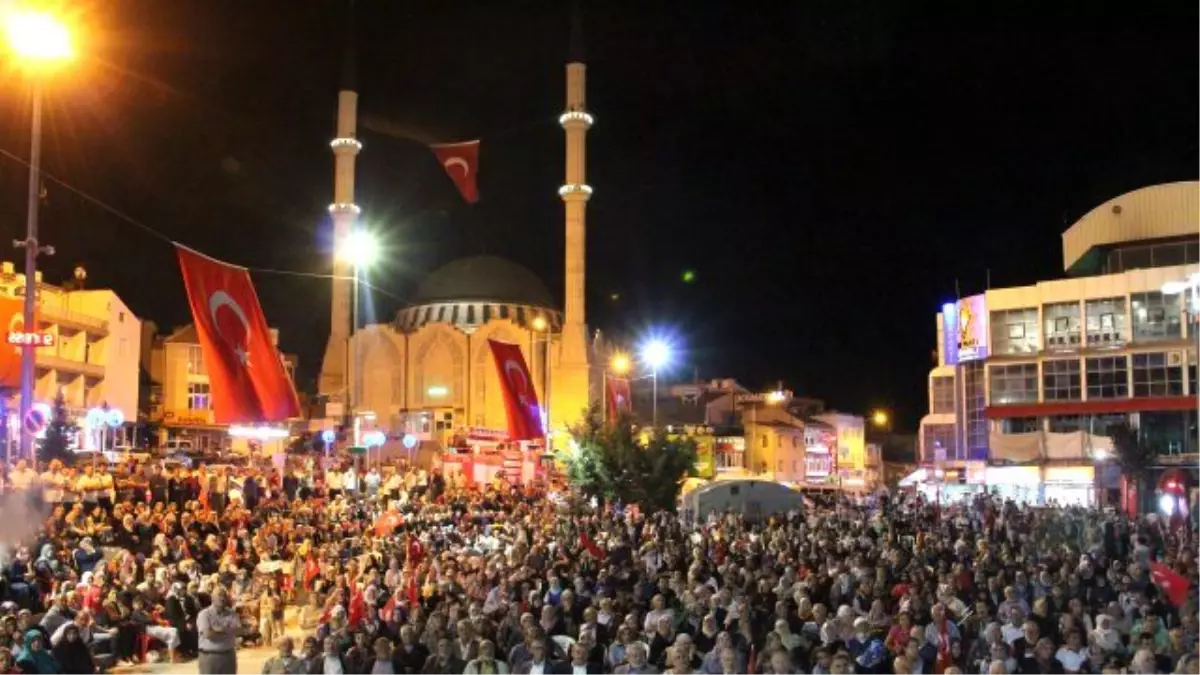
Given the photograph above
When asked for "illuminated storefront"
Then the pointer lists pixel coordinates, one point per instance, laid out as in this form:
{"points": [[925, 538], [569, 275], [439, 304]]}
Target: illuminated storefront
{"points": [[1070, 485], [1021, 484]]}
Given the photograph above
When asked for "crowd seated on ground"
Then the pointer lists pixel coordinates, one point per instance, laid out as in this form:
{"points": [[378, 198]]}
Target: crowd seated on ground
{"points": [[396, 571]]}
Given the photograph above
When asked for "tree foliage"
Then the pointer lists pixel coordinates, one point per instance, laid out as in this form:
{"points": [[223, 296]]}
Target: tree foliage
{"points": [[1131, 451], [610, 462], [59, 431]]}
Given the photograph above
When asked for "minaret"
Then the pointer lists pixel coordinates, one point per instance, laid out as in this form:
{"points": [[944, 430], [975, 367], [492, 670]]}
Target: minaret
{"points": [[570, 395], [344, 212]]}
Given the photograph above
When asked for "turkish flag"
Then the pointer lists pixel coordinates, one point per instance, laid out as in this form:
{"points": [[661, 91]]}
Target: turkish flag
{"points": [[520, 399], [461, 162], [244, 369], [618, 397], [387, 523], [1173, 584], [591, 547], [12, 317]]}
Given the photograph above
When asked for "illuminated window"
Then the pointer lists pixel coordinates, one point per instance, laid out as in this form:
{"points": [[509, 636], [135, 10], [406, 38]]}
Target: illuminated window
{"points": [[1014, 331], [199, 397], [1061, 320], [1104, 321], [195, 359], [1156, 316]]}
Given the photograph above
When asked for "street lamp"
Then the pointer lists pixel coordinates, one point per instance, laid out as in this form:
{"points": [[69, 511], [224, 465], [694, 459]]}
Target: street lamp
{"points": [[540, 332], [361, 250], [881, 419], [1191, 308], [655, 353], [39, 41]]}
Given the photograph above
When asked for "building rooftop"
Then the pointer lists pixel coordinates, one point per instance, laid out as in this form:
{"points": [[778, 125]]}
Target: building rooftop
{"points": [[1156, 213]]}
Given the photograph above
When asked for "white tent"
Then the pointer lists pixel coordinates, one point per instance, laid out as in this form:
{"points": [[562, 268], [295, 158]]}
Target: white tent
{"points": [[753, 499]]}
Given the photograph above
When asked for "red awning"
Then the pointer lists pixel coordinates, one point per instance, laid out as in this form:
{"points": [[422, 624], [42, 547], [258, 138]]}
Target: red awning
{"points": [[1100, 407]]}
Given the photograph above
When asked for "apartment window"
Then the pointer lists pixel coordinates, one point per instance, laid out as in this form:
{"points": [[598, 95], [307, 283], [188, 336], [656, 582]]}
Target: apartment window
{"points": [[943, 395], [199, 397], [1107, 377], [1192, 378], [1061, 380], [764, 441], [1020, 425], [1014, 384], [1156, 316], [195, 359], [1093, 424], [1165, 431], [1158, 374], [937, 436], [1105, 321], [1062, 325], [1014, 331]]}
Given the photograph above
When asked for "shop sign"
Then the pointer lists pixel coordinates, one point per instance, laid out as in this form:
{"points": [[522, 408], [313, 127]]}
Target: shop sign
{"points": [[33, 339], [185, 420]]}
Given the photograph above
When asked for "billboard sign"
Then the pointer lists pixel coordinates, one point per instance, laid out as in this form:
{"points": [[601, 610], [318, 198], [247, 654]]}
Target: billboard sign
{"points": [[965, 334]]}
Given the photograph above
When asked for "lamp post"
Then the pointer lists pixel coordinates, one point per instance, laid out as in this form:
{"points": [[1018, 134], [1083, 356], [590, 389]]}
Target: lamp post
{"points": [[537, 337], [655, 354], [360, 249], [40, 41], [881, 419], [1190, 290]]}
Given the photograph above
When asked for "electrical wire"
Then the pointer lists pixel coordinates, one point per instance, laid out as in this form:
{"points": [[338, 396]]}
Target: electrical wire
{"points": [[121, 215]]}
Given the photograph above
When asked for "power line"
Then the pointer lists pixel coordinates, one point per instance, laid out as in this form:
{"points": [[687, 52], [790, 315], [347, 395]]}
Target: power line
{"points": [[114, 211]]}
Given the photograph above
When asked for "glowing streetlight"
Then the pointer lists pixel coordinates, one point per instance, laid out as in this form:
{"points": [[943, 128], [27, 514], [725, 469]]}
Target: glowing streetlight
{"points": [[656, 353], [37, 37], [539, 323], [620, 364], [39, 40], [880, 418], [361, 250], [775, 397]]}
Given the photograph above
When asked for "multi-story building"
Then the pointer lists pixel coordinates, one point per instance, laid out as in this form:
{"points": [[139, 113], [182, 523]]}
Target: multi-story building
{"points": [[181, 398], [850, 457], [1030, 378], [89, 342]]}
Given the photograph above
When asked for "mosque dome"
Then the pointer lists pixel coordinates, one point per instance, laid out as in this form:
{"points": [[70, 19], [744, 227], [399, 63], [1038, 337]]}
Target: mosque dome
{"points": [[483, 278], [469, 292]]}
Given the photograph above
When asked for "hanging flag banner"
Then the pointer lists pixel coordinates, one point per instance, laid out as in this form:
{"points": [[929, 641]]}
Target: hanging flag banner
{"points": [[461, 162], [249, 384], [619, 400], [520, 398], [12, 314]]}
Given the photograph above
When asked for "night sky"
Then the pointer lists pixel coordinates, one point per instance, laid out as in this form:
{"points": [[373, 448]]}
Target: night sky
{"points": [[828, 169]]}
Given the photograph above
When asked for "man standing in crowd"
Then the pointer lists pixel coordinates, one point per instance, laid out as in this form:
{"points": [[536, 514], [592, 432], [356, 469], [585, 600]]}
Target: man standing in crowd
{"points": [[218, 626]]}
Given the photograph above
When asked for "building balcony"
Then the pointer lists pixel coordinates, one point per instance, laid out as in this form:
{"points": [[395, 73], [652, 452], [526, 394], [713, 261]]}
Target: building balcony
{"points": [[87, 322], [54, 362]]}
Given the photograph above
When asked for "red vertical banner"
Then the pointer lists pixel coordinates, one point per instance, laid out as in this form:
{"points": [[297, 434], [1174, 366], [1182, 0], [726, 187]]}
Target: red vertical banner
{"points": [[246, 372], [12, 317], [619, 400], [520, 399]]}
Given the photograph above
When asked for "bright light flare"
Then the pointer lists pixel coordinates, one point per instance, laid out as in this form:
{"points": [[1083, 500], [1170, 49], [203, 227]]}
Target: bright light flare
{"points": [[38, 37], [775, 397], [539, 323], [620, 364], [656, 354], [880, 418], [360, 249]]}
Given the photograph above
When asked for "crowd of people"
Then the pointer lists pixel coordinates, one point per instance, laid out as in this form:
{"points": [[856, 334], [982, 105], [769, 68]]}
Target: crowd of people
{"points": [[403, 571]]}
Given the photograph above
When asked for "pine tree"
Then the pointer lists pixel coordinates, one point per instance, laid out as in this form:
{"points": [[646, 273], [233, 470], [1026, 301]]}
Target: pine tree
{"points": [[60, 430]]}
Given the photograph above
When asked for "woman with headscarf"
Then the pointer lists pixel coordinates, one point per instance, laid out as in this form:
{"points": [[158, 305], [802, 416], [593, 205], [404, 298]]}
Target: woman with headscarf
{"points": [[34, 657], [181, 617], [70, 651], [86, 556]]}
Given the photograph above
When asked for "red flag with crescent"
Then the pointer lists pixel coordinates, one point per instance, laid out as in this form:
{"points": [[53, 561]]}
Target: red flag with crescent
{"points": [[1173, 584], [461, 162], [12, 316], [520, 398], [245, 371], [619, 400]]}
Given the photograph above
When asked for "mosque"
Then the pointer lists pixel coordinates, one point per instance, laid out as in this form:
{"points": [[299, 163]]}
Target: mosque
{"points": [[429, 373]]}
